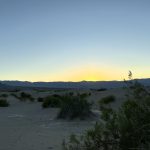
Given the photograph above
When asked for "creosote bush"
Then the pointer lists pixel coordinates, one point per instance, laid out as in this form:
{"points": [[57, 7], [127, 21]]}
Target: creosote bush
{"points": [[83, 95], [4, 95], [74, 107], [4, 103], [70, 106], [102, 89], [40, 99], [123, 129], [15, 95], [51, 101], [15, 90], [71, 93], [25, 96], [56, 95], [107, 100]]}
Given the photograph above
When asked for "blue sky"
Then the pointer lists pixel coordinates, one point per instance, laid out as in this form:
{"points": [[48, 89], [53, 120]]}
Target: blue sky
{"points": [[73, 40]]}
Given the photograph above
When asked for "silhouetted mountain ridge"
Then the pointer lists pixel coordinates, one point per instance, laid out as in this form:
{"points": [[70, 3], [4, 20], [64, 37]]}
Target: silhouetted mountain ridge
{"points": [[74, 85]]}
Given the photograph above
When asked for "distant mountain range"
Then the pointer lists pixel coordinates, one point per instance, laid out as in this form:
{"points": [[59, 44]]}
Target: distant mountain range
{"points": [[72, 85]]}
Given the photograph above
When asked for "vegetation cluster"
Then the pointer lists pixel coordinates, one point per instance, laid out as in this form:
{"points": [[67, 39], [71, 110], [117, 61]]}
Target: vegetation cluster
{"points": [[4, 103], [71, 106], [127, 128]]}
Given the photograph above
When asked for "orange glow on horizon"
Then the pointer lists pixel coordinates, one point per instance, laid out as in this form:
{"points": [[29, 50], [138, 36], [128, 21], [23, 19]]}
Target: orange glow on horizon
{"points": [[82, 73], [88, 73]]}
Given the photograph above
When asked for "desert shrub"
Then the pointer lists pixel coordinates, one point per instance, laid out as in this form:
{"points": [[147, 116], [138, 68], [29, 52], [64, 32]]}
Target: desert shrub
{"points": [[107, 100], [4, 95], [15, 95], [25, 96], [74, 107], [56, 95], [102, 89], [105, 106], [40, 99], [70, 106], [99, 90], [123, 129], [83, 95], [51, 101], [15, 90], [4, 103], [71, 93]]}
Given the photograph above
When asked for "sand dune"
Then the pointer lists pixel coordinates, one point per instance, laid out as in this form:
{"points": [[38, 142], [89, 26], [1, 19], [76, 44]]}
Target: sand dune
{"points": [[26, 126]]}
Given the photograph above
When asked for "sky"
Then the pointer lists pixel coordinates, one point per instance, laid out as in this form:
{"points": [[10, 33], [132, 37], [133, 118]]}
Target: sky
{"points": [[74, 40]]}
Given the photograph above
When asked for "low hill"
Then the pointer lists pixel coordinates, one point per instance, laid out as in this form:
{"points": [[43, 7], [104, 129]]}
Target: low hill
{"points": [[72, 85]]}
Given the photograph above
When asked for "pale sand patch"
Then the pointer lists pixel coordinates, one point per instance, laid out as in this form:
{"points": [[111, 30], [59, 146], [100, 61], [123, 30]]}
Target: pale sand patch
{"points": [[26, 126]]}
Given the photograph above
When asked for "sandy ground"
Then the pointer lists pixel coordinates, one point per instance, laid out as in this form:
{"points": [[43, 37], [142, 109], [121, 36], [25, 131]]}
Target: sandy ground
{"points": [[26, 126]]}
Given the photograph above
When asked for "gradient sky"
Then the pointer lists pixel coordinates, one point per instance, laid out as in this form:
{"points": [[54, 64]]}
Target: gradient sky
{"points": [[74, 40]]}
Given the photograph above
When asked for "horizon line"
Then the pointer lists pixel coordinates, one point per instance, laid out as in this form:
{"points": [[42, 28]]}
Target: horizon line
{"points": [[73, 81]]}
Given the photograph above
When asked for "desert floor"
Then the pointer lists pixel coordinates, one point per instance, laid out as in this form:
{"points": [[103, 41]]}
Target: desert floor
{"points": [[27, 126]]}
